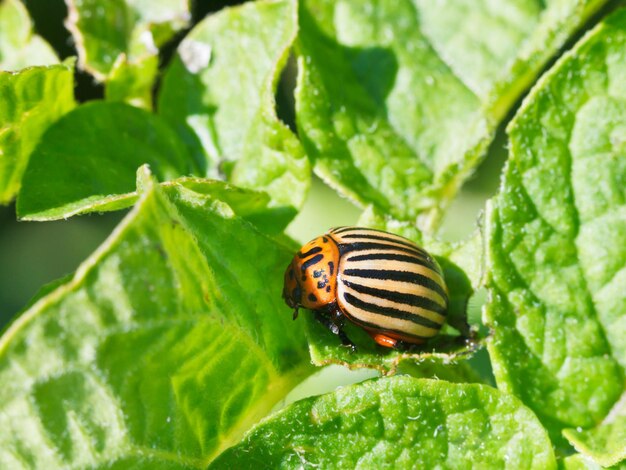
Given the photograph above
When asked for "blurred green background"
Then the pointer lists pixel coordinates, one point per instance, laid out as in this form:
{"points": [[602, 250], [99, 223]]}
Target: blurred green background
{"points": [[33, 254]]}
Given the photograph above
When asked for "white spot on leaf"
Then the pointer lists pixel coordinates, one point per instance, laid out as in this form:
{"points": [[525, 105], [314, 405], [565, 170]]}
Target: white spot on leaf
{"points": [[147, 40], [195, 55]]}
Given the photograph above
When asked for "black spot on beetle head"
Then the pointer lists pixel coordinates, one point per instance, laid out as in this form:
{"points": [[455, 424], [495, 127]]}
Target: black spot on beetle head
{"points": [[296, 295]]}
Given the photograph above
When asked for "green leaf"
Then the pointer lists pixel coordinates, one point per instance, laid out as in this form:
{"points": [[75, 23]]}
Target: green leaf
{"points": [[450, 371], [397, 101], [88, 159], [218, 93], [119, 42], [253, 206], [398, 422], [582, 462], [19, 46], [556, 238], [578, 462], [606, 442], [131, 82], [326, 349], [30, 101], [168, 343]]}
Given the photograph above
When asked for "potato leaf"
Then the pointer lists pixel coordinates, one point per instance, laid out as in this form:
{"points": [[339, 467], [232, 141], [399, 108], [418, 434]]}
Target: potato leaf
{"points": [[556, 237], [20, 47], [166, 345], [88, 160], [398, 101], [30, 101], [398, 422], [578, 462], [218, 94], [118, 42], [606, 442]]}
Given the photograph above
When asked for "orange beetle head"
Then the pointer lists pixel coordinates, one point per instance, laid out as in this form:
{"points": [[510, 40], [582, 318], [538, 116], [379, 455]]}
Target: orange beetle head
{"points": [[310, 278], [292, 292]]}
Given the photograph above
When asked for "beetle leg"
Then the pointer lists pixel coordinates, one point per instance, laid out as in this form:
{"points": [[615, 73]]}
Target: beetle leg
{"points": [[404, 346], [385, 340], [389, 342], [338, 318], [327, 322], [295, 313], [335, 324]]}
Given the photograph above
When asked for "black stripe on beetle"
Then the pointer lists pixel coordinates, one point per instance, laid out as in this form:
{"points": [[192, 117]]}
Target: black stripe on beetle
{"points": [[312, 251], [390, 312], [356, 232], [378, 328], [310, 262], [339, 230], [402, 276], [345, 248], [410, 300], [382, 256], [368, 236]]}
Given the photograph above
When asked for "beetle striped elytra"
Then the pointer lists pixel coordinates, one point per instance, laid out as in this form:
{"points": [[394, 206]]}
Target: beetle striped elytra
{"points": [[382, 282]]}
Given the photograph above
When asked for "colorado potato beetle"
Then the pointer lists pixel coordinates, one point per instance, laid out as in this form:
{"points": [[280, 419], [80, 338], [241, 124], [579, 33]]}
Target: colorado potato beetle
{"points": [[382, 282]]}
